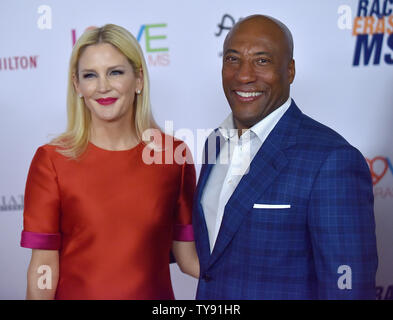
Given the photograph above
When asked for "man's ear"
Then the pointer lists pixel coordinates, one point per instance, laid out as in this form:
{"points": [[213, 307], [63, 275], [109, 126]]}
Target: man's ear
{"points": [[291, 71]]}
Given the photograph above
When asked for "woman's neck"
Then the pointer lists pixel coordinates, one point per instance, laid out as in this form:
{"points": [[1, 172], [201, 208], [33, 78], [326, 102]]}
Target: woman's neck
{"points": [[113, 135]]}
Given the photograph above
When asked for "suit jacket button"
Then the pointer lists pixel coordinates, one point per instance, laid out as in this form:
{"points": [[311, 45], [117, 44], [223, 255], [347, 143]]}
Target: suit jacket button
{"points": [[207, 278]]}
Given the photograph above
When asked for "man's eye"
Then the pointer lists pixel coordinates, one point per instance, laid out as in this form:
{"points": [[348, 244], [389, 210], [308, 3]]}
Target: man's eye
{"points": [[230, 59], [88, 75], [262, 61]]}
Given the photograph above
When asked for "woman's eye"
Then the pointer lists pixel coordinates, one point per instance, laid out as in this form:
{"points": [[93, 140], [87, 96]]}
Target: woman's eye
{"points": [[116, 72], [88, 75]]}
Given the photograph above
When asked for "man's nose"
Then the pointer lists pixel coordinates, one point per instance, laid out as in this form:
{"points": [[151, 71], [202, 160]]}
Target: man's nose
{"points": [[246, 72]]}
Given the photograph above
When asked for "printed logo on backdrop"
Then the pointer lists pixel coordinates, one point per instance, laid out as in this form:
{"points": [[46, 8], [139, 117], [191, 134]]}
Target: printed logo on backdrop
{"points": [[373, 29], [381, 169], [226, 24], [26, 62], [384, 293], [153, 40], [18, 63], [11, 202]]}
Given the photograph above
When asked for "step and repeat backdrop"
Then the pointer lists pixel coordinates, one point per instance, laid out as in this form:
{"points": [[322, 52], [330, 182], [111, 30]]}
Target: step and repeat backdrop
{"points": [[344, 64]]}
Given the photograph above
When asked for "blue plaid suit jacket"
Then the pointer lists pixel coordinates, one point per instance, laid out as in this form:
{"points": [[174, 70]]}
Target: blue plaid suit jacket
{"points": [[293, 253]]}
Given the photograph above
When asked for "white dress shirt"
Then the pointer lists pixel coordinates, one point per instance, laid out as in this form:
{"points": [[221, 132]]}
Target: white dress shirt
{"points": [[233, 162]]}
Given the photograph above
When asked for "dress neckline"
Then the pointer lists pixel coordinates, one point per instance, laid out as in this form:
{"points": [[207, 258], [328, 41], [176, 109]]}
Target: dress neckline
{"points": [[114, 151]]}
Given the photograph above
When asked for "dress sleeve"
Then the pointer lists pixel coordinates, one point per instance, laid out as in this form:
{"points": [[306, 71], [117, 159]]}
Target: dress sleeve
{"points": [[42, 205], [183, 214]]}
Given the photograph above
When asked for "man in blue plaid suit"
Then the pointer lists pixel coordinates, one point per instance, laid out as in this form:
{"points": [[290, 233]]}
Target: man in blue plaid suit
{"points": [[284, 205]]}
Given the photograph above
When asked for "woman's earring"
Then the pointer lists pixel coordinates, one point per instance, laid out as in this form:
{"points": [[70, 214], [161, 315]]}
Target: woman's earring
{"points": [[138, 91], [80, 95]]}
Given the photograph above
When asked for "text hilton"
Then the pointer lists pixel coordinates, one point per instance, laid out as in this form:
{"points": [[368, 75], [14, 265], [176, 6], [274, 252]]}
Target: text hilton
{"points": [[18, 62]]}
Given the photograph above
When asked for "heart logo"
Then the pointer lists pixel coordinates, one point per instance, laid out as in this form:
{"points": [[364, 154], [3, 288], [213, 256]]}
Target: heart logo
{"points": [[378, 167]]}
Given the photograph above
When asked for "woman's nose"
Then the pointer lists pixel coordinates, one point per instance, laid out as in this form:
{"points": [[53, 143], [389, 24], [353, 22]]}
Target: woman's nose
{"points": [[103, 84]]}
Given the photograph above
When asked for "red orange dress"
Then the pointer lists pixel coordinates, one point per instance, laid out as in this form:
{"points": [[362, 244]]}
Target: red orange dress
{"points": [[112, 217]]}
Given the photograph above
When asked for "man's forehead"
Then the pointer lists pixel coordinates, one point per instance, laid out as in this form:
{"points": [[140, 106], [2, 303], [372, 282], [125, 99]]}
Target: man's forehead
{"points": [[252, 39]]}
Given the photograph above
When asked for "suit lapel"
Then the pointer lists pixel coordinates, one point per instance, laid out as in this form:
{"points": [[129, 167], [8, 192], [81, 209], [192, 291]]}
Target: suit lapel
{"points": [[211, 151], [265, 167]]}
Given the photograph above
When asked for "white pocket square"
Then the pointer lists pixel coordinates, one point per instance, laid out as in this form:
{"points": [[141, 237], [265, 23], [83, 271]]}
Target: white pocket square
{"points": [[271, 206]]}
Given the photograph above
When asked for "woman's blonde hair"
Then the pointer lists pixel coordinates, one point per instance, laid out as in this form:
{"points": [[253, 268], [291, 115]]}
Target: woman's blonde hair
{"points": [[74, 140]]}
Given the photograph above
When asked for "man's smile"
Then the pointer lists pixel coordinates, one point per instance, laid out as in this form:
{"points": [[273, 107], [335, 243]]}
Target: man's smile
{"points": [[247, 96]]}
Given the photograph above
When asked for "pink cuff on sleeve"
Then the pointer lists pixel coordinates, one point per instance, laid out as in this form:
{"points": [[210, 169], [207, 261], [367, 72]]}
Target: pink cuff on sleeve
{"points": [[183, 232], [44, 241]]}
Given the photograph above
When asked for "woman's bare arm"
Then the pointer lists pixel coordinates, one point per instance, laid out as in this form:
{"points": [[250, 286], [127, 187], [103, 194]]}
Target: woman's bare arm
{"points": [[186, 257], [42, 275]]}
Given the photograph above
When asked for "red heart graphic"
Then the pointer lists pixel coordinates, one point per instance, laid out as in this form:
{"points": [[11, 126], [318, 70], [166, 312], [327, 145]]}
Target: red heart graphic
{"points": [[377, 176]]}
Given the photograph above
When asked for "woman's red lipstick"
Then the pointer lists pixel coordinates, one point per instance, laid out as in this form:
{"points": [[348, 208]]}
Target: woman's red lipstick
{"points": [[106, 101]]}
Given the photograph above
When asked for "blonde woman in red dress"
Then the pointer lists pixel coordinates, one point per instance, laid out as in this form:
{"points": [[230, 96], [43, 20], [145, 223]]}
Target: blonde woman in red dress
{"points": [[96, 213]]}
